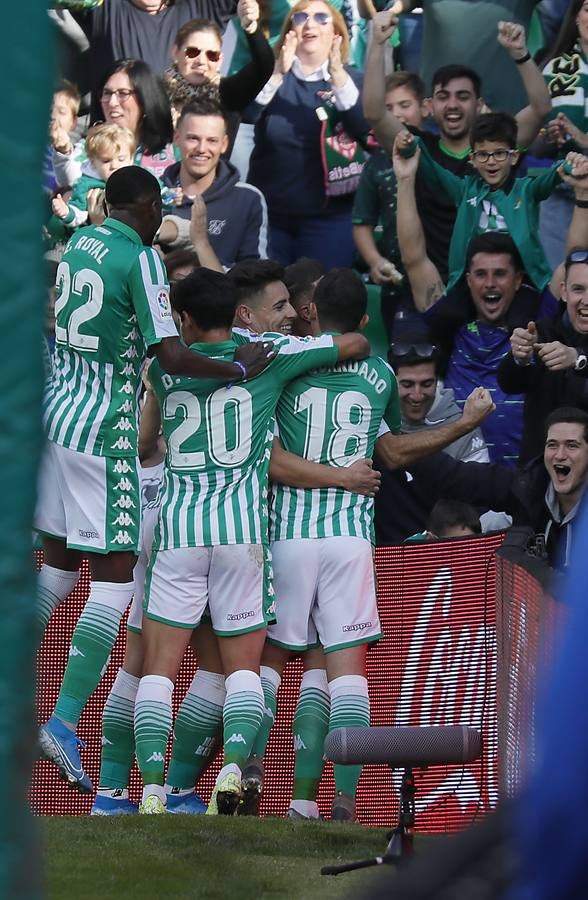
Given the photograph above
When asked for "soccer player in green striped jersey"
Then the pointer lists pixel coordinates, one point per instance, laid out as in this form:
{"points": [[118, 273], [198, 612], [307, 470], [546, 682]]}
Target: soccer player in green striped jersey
{"points": [[332, 418], [212, 529], [112, 303]]}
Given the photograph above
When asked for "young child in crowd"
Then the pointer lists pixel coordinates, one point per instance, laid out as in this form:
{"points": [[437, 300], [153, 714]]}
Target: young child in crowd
{"points": [[63, 162], [374, 208], [493, 198], [108, 148]]}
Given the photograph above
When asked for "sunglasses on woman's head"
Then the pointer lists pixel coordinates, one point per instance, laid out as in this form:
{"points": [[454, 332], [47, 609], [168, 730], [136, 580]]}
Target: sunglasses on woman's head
{"points": [[301, 18], [194, 53]]}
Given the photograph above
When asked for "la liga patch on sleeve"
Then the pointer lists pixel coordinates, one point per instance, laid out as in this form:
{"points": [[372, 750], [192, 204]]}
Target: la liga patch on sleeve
{"points": [[164, 304]]}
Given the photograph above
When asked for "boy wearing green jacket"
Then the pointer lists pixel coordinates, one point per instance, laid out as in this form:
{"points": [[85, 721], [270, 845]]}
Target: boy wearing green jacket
{"points": [[493, 198]]}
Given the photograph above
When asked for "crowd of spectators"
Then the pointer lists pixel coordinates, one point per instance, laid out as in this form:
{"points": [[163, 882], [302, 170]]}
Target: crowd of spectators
{"points": [[291, 131]]}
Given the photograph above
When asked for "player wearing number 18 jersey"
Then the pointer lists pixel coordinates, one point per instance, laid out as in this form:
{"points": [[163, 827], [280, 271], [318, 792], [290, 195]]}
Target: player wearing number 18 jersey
{"points": [[112, 303], [209, 542], [331, 416]]}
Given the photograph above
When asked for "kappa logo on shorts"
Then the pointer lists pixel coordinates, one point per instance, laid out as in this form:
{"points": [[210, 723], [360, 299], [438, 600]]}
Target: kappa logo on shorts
{"points": [[164, 304], [360, 626], [236, 617], [121, 466], [89, 535], [122, 443], [122, 537], [124, 502], [124, 518]]}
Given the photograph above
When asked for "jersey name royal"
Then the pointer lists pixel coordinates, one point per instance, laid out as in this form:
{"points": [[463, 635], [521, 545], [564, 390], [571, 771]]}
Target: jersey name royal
{"points": [[112, 302]]}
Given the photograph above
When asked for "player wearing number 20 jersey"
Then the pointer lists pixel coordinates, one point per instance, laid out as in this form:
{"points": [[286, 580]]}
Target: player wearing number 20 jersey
{"points": [[219, 444]]}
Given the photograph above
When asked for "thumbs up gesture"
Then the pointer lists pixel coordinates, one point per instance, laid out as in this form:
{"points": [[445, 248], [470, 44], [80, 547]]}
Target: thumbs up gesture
{"points": [[522, 343]]}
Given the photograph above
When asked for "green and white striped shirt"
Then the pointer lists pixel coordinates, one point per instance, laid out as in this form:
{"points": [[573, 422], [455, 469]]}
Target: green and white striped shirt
{"points": [[112, 302], [332, 417], [215, 488]]}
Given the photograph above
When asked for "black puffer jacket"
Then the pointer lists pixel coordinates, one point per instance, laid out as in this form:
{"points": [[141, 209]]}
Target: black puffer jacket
{"points": [[545, 390]]}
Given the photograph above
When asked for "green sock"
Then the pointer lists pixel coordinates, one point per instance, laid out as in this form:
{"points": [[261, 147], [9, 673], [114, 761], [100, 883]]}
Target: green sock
{"points": [[270, 682], [350, 706], [118, 735], [196, 729], [91, 646], [153, 721], [310, 726], [242, 715]]}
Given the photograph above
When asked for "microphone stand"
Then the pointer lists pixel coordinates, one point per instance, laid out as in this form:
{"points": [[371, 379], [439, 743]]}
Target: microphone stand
{"points": [[400, 840]]}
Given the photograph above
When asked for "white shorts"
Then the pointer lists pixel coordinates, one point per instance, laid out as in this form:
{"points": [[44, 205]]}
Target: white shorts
{"points": [[230, 578], [93, 502], [324, 587], [150, 516]]}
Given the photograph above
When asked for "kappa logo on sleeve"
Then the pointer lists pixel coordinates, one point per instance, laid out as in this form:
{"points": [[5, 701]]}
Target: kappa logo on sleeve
{"points": [[163, 303]]}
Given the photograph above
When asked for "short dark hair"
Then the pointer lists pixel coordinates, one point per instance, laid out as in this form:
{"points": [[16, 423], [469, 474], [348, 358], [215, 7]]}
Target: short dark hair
{"points": [[207, 297], [131, 186], [410, 80], [493, 242], [570, 415], [180, 259], [449, 513], [445, 74], [202, 106], [250, 277], [194, 25], [155, 129], [300, 278], [340, 298], [494, 126]]}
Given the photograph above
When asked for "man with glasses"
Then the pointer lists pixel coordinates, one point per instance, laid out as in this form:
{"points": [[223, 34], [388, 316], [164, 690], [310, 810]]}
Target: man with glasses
{"points": [[456, 99], [237, 212]]}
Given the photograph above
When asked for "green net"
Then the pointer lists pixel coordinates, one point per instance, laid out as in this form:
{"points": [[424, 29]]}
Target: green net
{"points": [[26, 61]]}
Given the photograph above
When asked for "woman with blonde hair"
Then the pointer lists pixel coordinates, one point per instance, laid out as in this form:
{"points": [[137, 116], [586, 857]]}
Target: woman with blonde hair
{"points": [[308, 152]]}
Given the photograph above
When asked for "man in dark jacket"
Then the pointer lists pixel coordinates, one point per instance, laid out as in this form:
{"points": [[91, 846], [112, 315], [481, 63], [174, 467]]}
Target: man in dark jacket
{"points": [[544, 495], [237, 212], [548, 361]]}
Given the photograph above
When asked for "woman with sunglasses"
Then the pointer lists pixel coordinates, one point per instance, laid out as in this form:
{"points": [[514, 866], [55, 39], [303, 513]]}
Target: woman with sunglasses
{"points": [[197, 59], [310, 116], [131, 95]]}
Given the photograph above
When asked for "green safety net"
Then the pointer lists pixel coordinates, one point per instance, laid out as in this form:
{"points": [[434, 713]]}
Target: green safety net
{"points": [[28, 77]]}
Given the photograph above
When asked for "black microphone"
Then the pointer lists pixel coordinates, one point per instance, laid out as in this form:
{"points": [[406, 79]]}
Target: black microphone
{"points": [[404, 745]]}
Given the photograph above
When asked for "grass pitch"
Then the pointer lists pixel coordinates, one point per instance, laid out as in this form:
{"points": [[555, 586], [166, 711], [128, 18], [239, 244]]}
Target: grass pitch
{"points": [[184, 857]]}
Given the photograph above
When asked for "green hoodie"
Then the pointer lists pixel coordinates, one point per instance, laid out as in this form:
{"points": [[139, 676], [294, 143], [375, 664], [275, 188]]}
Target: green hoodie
{"points": [[518, 204]]}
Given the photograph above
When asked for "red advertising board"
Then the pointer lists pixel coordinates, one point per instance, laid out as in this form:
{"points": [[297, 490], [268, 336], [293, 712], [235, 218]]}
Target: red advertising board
{"points": [[436, 665]]}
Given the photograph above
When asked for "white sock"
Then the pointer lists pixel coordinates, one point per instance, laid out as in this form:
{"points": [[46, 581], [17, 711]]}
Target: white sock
{"points": [[53, 586]]}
